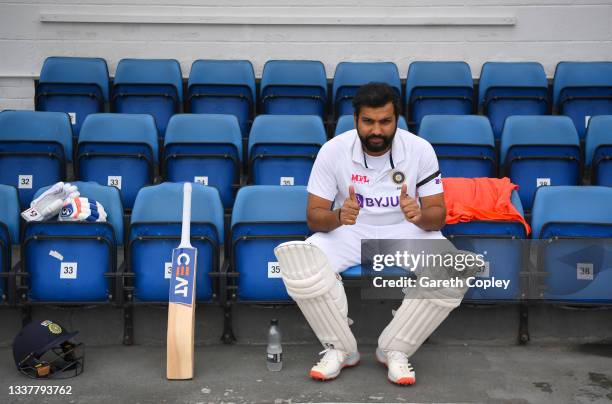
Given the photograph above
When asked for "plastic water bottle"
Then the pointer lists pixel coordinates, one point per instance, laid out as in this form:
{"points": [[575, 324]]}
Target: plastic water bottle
{"points": [[274, 349]]}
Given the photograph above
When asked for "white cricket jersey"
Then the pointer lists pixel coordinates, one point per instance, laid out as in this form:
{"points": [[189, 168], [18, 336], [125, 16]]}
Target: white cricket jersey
{"points": [[341, 162]]}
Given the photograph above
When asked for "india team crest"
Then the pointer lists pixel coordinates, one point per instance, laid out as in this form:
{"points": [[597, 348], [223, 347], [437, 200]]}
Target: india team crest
{"points": [[398, 177]]}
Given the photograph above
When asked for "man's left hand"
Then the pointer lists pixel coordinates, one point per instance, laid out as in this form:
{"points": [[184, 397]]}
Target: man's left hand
{"points": [[410, 207]]}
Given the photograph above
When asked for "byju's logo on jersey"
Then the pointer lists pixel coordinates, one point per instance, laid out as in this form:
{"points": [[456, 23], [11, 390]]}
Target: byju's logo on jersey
{"points": [[377, 202], [359, 179]]}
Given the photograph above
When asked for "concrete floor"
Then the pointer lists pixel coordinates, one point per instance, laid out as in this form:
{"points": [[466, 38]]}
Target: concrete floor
{"points": [[237, 374]]}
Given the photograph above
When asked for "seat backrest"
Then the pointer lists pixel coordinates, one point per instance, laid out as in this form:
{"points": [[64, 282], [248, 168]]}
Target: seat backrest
{"points": [[9, 211], [120, 128], [305, 129], [37, 126], [510, 74], [150, 71], [204, 128], [110, 199], [76, 70], [580, 74], [437, 74], [294, 73], [571, 204], [599, 132], [347, 122], [222, 72], [537, 130], [457, 129], [164, 203], [355, 74], [270, 203]]}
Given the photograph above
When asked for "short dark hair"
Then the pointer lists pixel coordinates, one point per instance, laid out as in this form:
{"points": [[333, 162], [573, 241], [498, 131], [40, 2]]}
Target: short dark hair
{"points": [[376, 95]]}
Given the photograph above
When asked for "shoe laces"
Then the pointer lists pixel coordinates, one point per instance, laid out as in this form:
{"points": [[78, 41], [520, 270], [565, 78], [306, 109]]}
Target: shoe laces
{"points": [[331, 354], [399, 358]]}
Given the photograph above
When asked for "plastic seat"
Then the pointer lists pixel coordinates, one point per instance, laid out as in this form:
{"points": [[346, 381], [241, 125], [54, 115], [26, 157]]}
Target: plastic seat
{"points": [[34, 150], [204, 148], [280, 216], [539, 151], [598, 150], [503, 247], [438, 88], [282, 148], [118, 150], [223, 87], [582, 90], [155, 229], [512, 88], [347, 122], [149, 86], [576, 221], [70, 262], [349, 76], [464, 144], [294, 87], [76, 86], [9, 235]]}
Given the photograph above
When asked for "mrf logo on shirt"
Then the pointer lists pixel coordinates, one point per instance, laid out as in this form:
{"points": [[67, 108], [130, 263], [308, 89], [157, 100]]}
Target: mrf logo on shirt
{"points": [[359, 179]]}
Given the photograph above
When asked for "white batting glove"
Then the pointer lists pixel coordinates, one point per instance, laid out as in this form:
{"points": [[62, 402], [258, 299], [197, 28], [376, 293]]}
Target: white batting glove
{"points": [[50, 202], [82, 210]]}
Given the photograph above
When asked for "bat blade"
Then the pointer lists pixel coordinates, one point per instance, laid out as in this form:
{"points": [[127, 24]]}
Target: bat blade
{"points": [[181, 302]]}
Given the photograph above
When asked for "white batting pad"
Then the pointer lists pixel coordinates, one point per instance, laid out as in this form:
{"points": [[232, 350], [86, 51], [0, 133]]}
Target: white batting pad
{"points": [[312, 283]]}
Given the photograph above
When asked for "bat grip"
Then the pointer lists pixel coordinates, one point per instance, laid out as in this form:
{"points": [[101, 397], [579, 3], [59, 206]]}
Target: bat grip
{"points": [[186, 227]]}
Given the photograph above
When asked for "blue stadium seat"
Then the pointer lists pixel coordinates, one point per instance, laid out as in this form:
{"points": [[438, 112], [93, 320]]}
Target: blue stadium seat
{"points": [[280, 216], [503, 248], [204, 148], [149, 86], [76, 86], [223, 87], [582, 90], [282, 148], [155, 229], [9, 234], [439, 88], [464, 144], [74, 261], [34, 150], [350, 76], [538, 151], [347, 122], [576, 221], [118, 150], [598, 149], [294, 87], [512, 88]]}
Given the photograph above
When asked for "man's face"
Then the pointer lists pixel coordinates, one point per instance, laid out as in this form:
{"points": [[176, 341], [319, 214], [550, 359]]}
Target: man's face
{"points": [[376, 128]]}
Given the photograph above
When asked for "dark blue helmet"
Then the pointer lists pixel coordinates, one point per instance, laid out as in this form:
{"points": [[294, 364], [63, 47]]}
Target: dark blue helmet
{"points": [[43, 349]]}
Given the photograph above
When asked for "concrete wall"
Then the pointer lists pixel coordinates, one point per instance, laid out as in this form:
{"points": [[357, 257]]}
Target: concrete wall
{"points": [[401, 31]]}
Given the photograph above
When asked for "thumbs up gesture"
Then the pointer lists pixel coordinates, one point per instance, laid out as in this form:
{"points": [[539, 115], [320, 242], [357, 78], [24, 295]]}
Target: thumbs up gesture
{"points": [[350, 208], [409, 206]]}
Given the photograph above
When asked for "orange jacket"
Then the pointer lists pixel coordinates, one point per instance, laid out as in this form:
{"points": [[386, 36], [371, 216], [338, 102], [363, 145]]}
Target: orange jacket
{"points": [[470, 199]]}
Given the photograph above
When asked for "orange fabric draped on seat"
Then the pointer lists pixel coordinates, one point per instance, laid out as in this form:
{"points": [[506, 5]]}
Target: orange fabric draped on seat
{"points": [[469, 199]]}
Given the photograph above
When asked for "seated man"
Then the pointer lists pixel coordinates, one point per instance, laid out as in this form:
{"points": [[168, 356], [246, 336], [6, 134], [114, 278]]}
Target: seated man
{"points": [[384, 183]]}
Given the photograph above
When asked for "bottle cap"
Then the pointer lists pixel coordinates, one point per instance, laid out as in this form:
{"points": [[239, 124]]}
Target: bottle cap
{"points": [[274, 322]]}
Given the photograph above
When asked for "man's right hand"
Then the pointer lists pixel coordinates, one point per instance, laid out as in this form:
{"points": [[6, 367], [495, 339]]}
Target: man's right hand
{"points": [[350, 209]]}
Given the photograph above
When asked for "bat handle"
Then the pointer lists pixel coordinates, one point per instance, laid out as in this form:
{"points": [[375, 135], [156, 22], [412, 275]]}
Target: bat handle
{"points": [[186, 227]]}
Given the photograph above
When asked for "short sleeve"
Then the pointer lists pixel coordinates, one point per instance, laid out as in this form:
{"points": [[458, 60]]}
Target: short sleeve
{"points": [[429, 180], [322, 182]]}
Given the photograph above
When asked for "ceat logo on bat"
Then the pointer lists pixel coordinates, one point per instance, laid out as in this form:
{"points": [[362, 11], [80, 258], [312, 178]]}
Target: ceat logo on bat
{"points": [[181, 284]]}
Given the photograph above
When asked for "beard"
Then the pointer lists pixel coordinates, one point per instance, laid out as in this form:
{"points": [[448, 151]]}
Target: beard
{"points": [[366, 142]]}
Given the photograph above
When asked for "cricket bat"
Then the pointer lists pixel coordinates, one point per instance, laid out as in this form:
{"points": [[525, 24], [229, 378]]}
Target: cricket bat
{"points": [[181, 302]]}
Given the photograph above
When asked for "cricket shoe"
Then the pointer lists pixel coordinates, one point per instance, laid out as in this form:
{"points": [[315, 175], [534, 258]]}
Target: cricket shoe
{"points": [[400, 370], [332, 362]]}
